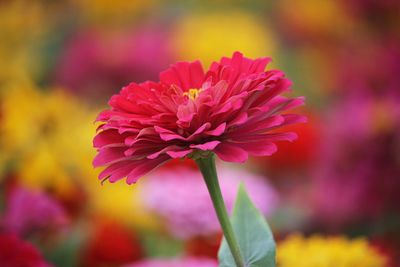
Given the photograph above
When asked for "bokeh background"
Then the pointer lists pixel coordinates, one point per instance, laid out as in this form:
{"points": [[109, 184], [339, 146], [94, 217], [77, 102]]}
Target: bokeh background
{"points": [[332, 197]]}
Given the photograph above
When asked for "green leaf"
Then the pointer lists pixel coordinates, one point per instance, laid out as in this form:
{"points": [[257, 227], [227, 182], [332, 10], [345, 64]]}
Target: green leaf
{"points": [[253, 234]]}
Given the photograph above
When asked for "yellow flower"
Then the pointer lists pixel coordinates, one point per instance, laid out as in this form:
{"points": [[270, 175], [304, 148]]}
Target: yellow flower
{"points": [[21, 23], [213, 35], [121, 202], [318, 251], [112, 11], [44, 134], [48, 135], [315, 17]]}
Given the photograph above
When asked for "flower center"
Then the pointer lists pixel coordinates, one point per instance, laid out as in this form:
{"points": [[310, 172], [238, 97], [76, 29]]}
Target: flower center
{"points": [[192, 94]]}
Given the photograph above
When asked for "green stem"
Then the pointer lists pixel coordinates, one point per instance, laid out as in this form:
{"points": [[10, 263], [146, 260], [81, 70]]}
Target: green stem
{"points": [[207, 168]]}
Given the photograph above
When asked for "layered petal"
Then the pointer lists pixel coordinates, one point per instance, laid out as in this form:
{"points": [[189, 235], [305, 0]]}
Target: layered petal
{"points": [[235, 109]]}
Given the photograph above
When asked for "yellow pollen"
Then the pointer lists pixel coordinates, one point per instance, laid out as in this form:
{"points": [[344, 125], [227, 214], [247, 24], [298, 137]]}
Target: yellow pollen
{"points": [[192, 94]]}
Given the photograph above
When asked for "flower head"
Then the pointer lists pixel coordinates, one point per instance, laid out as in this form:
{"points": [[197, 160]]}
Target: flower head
{"points": [[60, 126], [233, 110], [111, 244], [184, 196], [29, 211], [189, 262], [327, 251], [359, 162], [87, 68]]}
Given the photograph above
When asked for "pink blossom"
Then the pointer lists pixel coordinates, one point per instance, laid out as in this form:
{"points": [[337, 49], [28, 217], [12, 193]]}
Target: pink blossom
{"points": [[235, 109], [189, 262], [29, 212], [180, 196], [356, 177], [88, 66]]}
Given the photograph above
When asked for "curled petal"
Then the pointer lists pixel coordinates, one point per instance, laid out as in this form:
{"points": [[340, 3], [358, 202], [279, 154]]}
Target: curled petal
{"points": [[179, 154], [266, 148], [144, 167], [108, 155], [168, 135], [231, 153], [206, 146], [108, 137], [117, 171], [217, 131], [162, 151]]}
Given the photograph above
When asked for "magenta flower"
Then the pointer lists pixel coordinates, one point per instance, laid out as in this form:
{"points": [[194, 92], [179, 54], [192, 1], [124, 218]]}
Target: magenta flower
{"points": [[189, 262], [183, 196], [28, 212], [356, 176], [234, 110], [87, 66]]}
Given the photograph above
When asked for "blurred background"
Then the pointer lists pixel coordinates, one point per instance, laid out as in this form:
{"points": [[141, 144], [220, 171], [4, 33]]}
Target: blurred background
{"points": [[332, 197]]}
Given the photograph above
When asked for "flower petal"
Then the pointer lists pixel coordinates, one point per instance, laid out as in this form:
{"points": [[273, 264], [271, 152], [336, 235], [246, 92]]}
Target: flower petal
{"points": [[144, 167], [164, 150], [117, 171], [167, 135], [265, 148], [206, 146], [184, 74], [108, 156], [179, 154], [217, 131], [108, 137], [231, 153]]}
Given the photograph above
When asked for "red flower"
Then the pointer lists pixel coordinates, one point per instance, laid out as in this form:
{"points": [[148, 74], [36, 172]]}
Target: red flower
{"points": [[112, 244], [15, 252], [233, 110], [204, 246], [300, 154]]}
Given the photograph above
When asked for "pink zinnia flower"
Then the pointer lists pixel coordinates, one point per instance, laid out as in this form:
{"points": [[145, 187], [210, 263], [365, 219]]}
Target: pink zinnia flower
{"points": [[233, 110], [358, 162], [30, 212], [87, 67], [184, 196]]}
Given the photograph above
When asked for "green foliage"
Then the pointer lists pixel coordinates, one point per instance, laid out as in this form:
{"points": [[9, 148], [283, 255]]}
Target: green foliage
{"points": [[253, 234]]}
